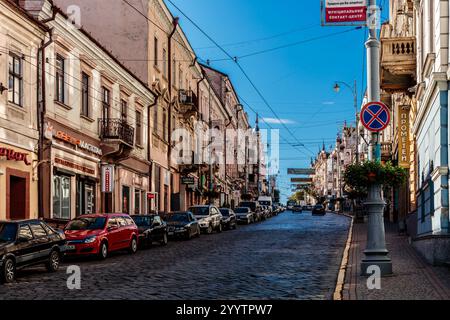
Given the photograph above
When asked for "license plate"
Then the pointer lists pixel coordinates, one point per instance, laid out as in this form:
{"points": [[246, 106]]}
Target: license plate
{"points": [[71, 247]]}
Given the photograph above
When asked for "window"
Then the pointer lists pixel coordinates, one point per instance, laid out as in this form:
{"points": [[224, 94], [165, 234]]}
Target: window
{"points": [[155, 52], [155, 119], [85, 94], [112, 223], [61, 197], [106, 102], [60, 85], [38, 231], [137, 201], [15, 80], [25, 233], [125, 199], [164, 62], [47, 228], [129, 221], [124, 110], [164, 125], [138, 128], [122, 222], [180, 85]]}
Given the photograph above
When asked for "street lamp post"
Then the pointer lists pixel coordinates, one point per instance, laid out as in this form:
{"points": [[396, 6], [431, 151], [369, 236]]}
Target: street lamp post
{"points": [[354, 90]]}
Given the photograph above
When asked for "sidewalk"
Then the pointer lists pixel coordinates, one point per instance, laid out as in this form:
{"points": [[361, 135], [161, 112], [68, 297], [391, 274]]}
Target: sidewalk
{"points": [[413, 278]]}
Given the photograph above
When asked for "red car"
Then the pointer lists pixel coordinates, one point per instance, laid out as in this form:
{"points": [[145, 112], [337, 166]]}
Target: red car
{"points": [[100, 234]]}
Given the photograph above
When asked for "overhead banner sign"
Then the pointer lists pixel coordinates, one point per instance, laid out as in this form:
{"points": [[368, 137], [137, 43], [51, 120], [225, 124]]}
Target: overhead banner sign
{"points": [[301, 180], [403, 140], [344, 12], [306, 172]]}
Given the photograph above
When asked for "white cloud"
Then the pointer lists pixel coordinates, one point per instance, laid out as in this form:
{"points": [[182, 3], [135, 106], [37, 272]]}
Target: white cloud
{"points": [[277, 121]]}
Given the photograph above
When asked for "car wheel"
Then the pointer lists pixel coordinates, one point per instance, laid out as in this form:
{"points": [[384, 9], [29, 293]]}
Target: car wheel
{"points": [[52, 264], [188, 235], [103, 252], [199, 232], [164, 240], [9, 271], [209, 230], [219, 228], [133, 246]]}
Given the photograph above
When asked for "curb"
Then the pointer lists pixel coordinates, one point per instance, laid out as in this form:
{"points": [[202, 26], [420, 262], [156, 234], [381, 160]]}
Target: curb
{"points": [[343, 269]]}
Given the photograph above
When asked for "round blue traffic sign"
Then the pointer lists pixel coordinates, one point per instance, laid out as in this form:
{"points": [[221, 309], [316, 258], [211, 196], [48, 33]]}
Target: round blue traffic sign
{"points": [[375, 116]]}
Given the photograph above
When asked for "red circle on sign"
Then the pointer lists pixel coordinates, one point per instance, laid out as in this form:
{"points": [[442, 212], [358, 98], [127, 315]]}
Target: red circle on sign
{"points": [[370, 117]]}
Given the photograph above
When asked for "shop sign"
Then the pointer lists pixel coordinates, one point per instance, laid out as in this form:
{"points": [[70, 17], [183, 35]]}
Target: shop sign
{"points": [[403, 137], [151, 196], [344, 12], [63, 136], [108, 179], [188, 180], [75, 166], [13, 155]]}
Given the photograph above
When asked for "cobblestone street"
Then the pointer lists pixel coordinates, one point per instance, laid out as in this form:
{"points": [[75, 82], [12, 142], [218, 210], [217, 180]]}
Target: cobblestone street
{"points": [[291, 256]]}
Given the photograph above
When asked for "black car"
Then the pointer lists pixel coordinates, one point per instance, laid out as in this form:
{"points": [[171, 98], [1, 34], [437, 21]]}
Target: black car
{"points": [[229, 220], [319, 210], [182, 224], [297, 208], [26, 243], [151, 229]]}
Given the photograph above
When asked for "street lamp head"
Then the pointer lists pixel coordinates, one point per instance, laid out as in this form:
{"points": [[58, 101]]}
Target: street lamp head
{"points": [[337, 88]]}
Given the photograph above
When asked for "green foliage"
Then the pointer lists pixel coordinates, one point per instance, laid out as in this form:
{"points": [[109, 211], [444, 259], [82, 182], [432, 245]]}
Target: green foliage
{"points": [[359, 176]]}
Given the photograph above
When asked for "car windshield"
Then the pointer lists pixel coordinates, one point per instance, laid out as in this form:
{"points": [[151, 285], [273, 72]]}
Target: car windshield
{"points": [[200, 211], [225, 212], [241, 210], [8, 232], [178, 218], [86, 223], [143, 221]]}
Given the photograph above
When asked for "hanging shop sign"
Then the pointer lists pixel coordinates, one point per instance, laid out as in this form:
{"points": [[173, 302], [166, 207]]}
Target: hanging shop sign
{"points": [[188, 180], [12, 155], [74, 166], [108, 179], [344, 12], [403, 137]]}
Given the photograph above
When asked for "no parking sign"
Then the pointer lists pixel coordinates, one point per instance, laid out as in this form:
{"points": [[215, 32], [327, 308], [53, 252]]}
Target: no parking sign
{"points": [[375, 116]]}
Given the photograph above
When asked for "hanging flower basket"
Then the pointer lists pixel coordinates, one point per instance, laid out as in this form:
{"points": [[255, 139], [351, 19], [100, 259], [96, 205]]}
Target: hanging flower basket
{"points": [[359, 176]]}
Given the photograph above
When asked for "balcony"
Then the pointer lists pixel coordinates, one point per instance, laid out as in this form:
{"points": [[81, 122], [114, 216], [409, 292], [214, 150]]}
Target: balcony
{"points": [[117, 137], [188, 103], [386, 151], [398, 63]]}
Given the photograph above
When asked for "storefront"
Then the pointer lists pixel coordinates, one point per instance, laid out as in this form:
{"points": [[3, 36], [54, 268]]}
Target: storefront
{"points": [[131, 187], [74, 177], [18, 186]]}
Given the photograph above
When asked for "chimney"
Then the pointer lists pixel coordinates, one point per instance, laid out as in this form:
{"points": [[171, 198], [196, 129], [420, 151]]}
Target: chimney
{"points": [[33, 7]]}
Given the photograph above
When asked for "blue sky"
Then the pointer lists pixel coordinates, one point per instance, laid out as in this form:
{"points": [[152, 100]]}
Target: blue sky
{"points": [[297, 81]]}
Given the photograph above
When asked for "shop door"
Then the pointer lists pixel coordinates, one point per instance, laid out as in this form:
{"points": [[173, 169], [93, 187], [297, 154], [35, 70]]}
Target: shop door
{"points": [[89, 197], [17, 198]]}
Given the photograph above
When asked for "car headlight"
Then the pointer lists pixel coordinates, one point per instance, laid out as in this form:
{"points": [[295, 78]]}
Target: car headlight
{"points": [[90, 240]]}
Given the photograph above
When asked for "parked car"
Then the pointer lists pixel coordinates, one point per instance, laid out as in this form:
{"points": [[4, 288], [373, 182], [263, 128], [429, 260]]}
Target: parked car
{"points": [[26, 243], [182, 224], [209, 218], [101, 234], [228, 218], [151, 229], [255, 209], [319, 210], [297, 208], [244, 215]]}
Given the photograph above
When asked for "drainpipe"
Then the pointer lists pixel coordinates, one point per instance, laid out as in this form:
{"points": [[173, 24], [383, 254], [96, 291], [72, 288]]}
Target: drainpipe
{"points": [[169, 57], [41, 93], [149, 137]]}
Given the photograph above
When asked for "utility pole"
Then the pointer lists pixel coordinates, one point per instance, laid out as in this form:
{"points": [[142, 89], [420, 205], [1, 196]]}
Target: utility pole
{"points": [[376, 254], [258, 172]]}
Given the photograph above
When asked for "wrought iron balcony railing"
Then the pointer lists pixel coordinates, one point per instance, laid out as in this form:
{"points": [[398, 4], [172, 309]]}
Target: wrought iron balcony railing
{"points": [[116, 129]]}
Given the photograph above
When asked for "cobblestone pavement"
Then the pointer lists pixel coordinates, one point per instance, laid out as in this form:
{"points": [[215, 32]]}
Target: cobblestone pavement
{"points": [[291, 256], [413, 278]]}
